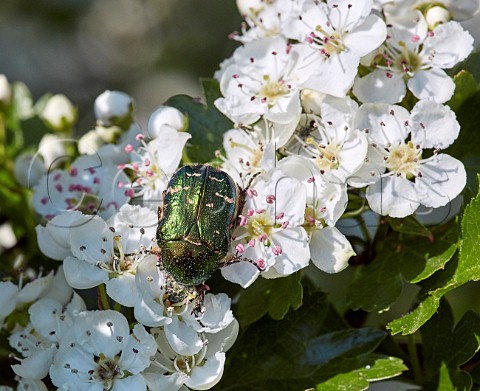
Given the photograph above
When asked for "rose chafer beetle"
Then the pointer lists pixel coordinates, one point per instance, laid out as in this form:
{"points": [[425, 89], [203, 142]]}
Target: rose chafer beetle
{"points": [[199, 212]]}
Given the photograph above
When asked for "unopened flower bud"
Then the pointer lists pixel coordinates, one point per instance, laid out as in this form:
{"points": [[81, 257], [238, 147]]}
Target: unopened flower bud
{"points": [[114, 108], [29, 169], [5, 91], [311, 101], [437, 15], [52, 148], [166, 116], [59, 113], [90, 142]]}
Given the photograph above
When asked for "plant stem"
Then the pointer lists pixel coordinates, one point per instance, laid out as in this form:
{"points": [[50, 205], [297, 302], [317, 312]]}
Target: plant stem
{"points": [[412, 352], [102, 291]]}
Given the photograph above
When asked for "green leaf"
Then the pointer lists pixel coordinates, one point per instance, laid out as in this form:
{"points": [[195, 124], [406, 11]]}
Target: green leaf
{"points": [[411, 322], [409, 225], [206, 124], [377, 285], [465, 269], [465, 87], [359, 379], [274, 296], [422, 258], [447, 346], [302, 350]]}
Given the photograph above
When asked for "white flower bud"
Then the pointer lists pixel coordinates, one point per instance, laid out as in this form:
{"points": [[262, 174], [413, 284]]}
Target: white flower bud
{"points": [[437, 15], [166, 116], [59, 113], [5, 90], [113, 108], [52, 147], [29, 169], [311, 101], [248, 7], [90, 142]]}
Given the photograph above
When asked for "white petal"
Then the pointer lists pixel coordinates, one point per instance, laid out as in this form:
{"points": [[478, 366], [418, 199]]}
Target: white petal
{"points": [[330, 250], [371, 171], [123, 290], [139, 347], [30, 385], [8, 298], [385, 123], [159, 382], [206, 376], [242, 273], [37, 365], [135, 382], [295, 251], [107, 331], [223, 340], [433, 83], [83, 275], [443, 178], [218, 314], [378, 87], [136, 226], [450, 43], [433, 125], [34, 289], [150, 313], [366, 37], [335, 75], [92, 240], [393, 196], [182, 338]]}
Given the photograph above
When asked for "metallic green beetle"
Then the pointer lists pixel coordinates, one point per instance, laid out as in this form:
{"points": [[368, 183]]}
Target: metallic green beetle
{"points": [[199, 212]]}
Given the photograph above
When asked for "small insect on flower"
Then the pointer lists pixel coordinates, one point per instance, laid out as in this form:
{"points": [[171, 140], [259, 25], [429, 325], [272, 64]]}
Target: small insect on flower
{"points": [[200, 209]]}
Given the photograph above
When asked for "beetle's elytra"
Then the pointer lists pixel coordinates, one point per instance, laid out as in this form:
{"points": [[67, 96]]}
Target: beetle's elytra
{"points": [[199, 212]]}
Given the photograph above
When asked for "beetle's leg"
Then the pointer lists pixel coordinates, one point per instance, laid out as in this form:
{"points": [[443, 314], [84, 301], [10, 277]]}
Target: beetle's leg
{"points": [[199, 307], [161, 207]]}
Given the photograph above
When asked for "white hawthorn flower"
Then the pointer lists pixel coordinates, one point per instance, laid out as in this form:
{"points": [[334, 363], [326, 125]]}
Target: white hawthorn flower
{"points": [[417, 58], [326, 202], [91, 186], [99, 352], [50, 320], [154, 163], [17, 299], [200, 371], [113, 108], [270, 232], [402, 175], [59, 113], [330, 141], [109, 251], [265, 18], [337, 33], [250, 151], [264, 80]]}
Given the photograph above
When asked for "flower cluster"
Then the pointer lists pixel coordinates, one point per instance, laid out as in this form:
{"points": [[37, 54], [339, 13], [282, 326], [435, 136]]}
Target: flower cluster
{"points": [[316, 96], [312, 124]]}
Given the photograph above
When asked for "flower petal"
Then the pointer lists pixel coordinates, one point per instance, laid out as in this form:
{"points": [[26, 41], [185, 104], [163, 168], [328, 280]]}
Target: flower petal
{"points": [[433, 83], [393, 196], [330, 250], [443, 178], [206, 376], [380, 86]]}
